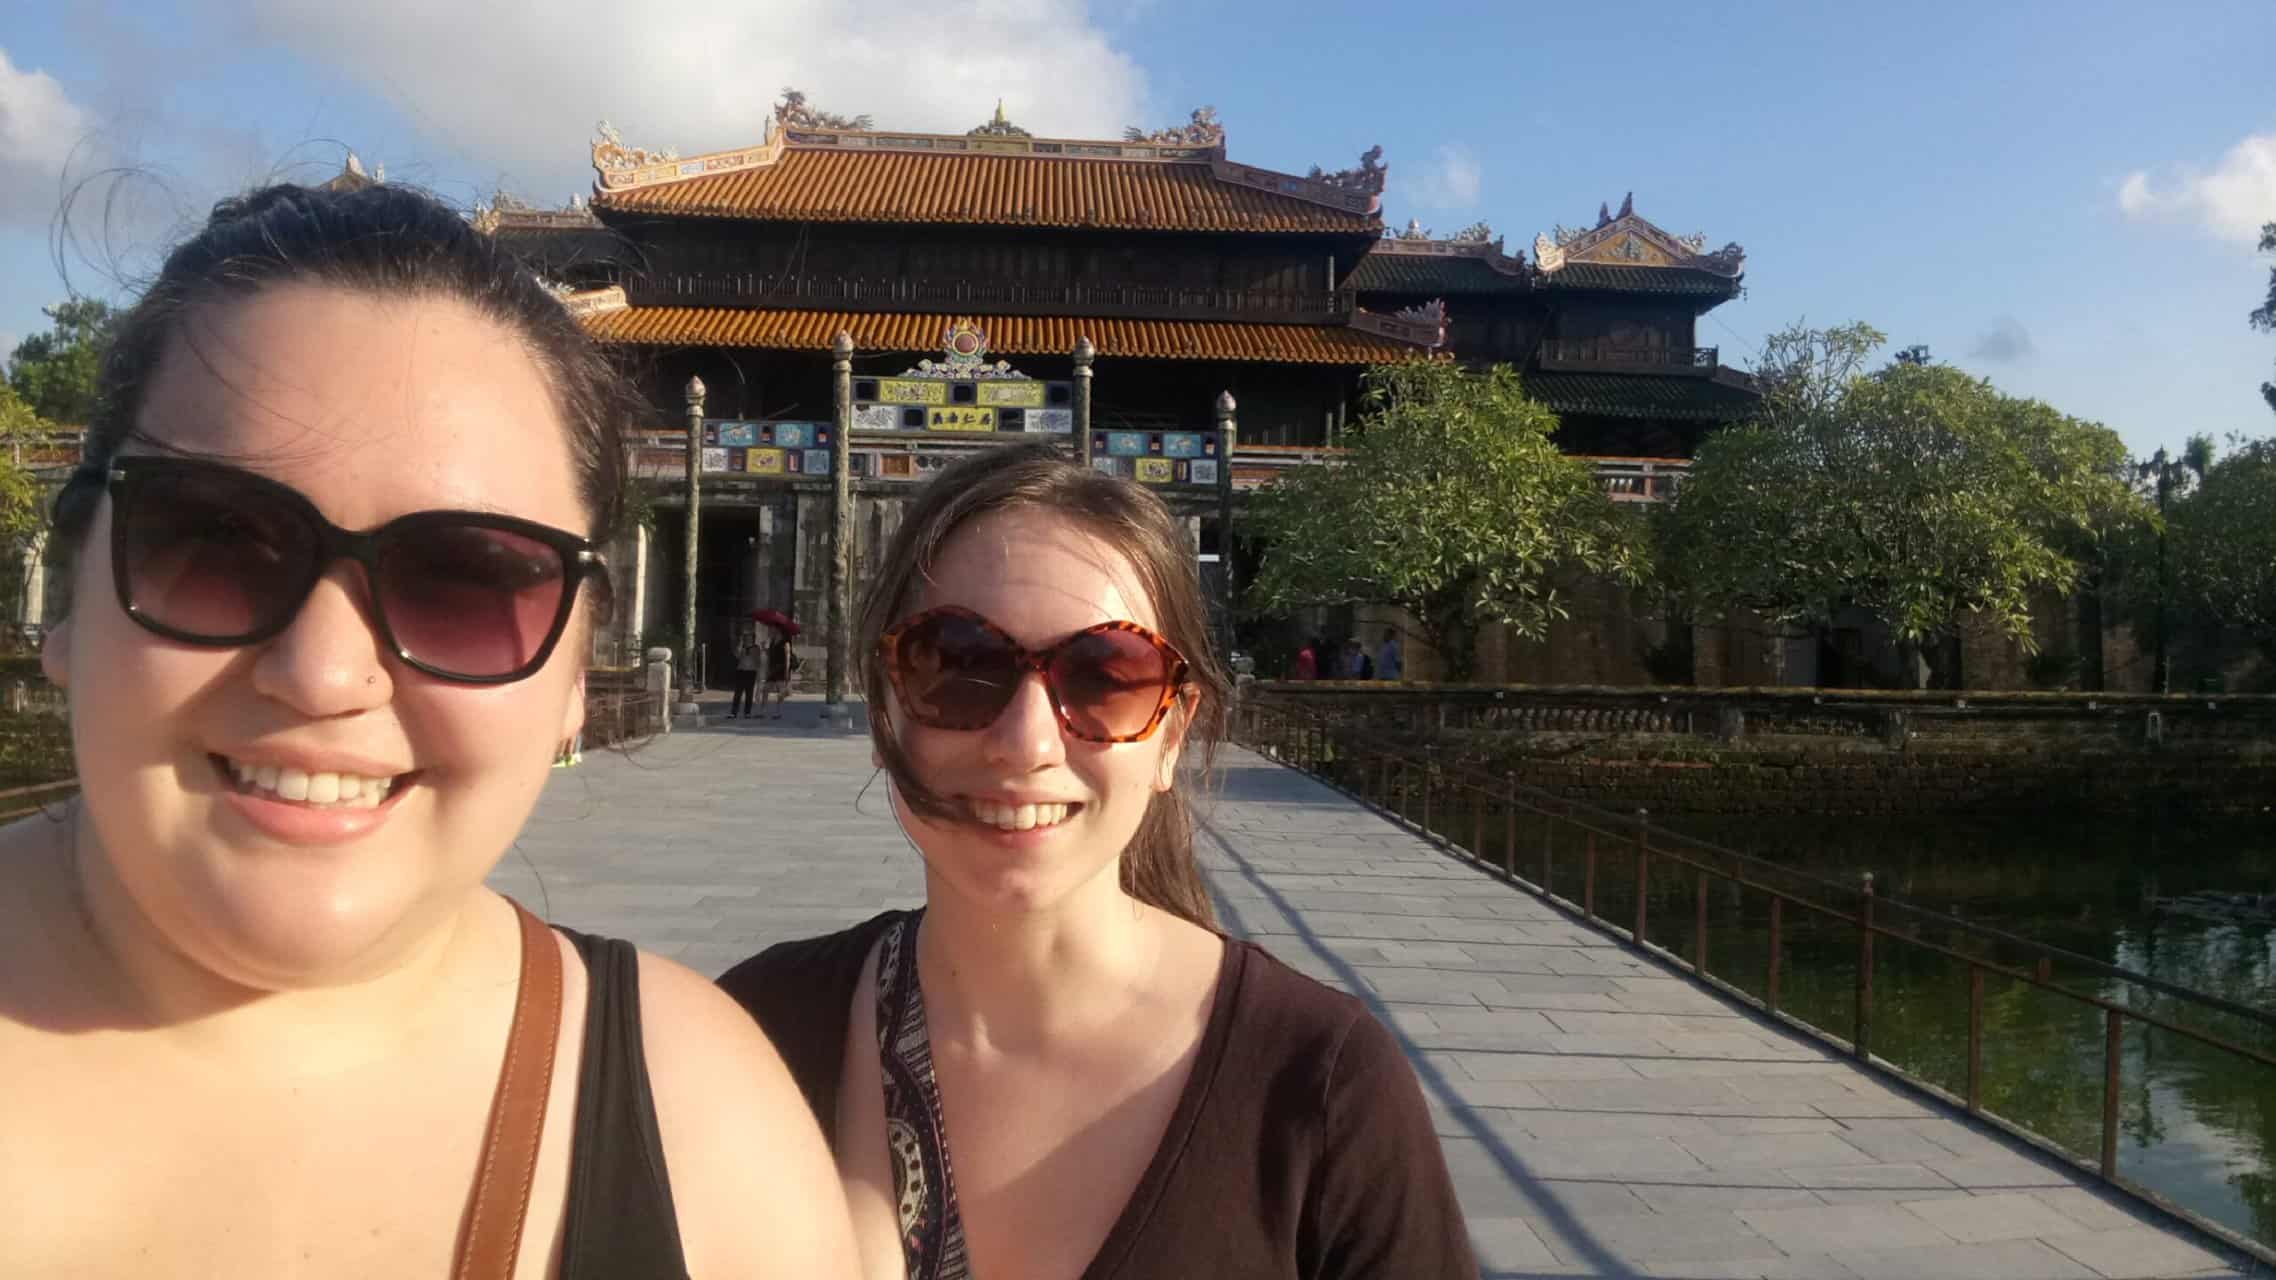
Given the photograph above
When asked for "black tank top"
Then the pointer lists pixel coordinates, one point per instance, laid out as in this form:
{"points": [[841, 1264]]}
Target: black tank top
{"points": [[619, 1223]]}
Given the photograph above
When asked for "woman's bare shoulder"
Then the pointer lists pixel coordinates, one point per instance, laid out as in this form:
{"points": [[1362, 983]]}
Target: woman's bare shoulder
{"points": [[755, 1190]]}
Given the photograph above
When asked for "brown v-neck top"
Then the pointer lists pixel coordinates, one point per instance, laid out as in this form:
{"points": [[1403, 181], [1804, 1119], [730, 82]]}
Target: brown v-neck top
{"points": [[1300, 1147]]}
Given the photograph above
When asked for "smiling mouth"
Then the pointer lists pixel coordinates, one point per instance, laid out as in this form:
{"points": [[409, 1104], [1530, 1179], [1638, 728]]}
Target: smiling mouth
{"points": [[312, 790], [1019, 817]]}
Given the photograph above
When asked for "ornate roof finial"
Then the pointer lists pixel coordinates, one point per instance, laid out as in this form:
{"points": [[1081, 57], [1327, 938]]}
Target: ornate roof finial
{"points": [[1603, 214], [794, 112], [1202, 130], [609, 151], [1628, 205], [1478, 233], [352, 176], [998, 127], [1367, 177]]}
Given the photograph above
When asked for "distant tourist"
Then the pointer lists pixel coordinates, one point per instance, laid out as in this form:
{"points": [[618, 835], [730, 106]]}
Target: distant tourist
{"points": [[259, 1013], [1308, 659], [1356, 664], [782, 662], [1059, 1057], [748, 658], [1391, 663]]}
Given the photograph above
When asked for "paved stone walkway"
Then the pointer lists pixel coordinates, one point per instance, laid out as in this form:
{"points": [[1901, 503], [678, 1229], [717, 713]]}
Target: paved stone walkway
{"points": [[1602, 1115]]}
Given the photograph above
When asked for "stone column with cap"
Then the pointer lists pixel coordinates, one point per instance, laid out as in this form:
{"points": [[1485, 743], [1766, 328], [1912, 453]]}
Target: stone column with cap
{"points": [[1228, 432], [691, 676], [1085, 353], [838, 666]]}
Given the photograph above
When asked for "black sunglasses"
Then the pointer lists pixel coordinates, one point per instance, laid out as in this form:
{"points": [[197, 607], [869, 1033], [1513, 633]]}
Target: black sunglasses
{"points": [[210, 554]]}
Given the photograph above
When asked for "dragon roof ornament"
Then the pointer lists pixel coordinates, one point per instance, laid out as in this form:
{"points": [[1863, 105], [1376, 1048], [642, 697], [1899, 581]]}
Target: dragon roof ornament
{"points": [[609, 151], [1368, 175], [793, 113], [1203, 129]]}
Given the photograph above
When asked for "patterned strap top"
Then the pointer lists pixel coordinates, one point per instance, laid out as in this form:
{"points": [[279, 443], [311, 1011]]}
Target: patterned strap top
{"points": [[932, 1235]]}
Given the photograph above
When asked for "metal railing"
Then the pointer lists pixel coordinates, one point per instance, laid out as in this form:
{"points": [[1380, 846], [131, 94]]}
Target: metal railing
{"points": [[16, 802], [1640, 479], [612, 719], [917, 293], [1452, 803], [1604, 352]]}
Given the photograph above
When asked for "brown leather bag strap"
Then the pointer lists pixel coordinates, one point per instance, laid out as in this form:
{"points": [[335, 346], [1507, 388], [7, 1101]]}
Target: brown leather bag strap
{"points": [[493, 1233]]}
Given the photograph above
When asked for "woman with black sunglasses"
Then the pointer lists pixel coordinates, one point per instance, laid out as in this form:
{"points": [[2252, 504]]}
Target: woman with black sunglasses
{"points": [[1058, 1067], [336, 548]]}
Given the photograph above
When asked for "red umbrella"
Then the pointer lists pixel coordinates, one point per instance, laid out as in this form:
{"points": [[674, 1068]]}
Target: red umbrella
{"points": [[777, 619]]}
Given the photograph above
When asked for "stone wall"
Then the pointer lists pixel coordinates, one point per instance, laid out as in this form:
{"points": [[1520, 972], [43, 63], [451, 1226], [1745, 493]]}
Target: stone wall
{"points": [[1748, 751], [1862, 778]]}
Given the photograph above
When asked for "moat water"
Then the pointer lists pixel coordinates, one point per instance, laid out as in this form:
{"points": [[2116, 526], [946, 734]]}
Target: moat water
{"points": [[2190, 903]]}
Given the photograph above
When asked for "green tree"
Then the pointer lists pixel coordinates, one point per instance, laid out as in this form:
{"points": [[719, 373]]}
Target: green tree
{"points": [[2222, 544], [1916, 492], [2264, 317], [1452, 503], [23, 507], [55, 373]]}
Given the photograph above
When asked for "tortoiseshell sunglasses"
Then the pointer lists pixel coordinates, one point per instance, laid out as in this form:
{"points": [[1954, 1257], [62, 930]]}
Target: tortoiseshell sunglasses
{"points": [[953, 669]]}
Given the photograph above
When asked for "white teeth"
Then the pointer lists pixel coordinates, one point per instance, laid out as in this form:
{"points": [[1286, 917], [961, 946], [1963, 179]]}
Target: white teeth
{"points": [[349, 790], [1025, 817]]}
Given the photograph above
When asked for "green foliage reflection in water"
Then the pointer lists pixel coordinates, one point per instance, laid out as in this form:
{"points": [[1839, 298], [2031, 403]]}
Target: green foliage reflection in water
{"points": [[2197, 1124]]}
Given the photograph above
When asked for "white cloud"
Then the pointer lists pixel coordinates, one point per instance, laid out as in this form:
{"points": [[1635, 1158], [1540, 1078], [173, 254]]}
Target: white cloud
{"points": [[2231, 201], [39, 127], [1451, 180], [515, 86], [2006, 342]]}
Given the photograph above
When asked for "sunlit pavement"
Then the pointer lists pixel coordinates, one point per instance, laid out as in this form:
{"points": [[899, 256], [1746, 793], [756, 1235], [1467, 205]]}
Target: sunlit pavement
{"points": [[1603, 1115]]}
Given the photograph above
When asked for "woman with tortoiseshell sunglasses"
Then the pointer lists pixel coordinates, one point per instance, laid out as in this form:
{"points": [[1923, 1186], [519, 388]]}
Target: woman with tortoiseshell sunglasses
{"points": [[1058, 1068]]}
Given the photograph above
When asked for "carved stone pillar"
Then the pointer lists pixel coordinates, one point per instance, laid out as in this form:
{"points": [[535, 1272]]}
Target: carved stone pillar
{"points": [[691, 674], [1085, 353], [837, 667], [1228, 432]]}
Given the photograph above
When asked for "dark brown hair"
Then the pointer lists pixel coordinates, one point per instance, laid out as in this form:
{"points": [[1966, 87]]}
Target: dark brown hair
{"points": [[380, 239], [1158, 866]]}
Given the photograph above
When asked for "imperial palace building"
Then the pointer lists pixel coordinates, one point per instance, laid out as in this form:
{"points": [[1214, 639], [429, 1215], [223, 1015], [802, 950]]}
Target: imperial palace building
{"points": [[997, 286]]}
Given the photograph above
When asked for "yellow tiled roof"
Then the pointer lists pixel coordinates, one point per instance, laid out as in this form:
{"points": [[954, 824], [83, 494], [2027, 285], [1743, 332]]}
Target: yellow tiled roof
{"points": [[1040, 191], [1009, 335]]}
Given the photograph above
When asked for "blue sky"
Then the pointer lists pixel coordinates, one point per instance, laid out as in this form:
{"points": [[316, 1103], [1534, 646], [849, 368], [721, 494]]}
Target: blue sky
{"points": [[2060, 197]]}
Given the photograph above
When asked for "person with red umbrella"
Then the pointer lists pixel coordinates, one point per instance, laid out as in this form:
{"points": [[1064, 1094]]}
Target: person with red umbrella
{"points": [[780, 661]]}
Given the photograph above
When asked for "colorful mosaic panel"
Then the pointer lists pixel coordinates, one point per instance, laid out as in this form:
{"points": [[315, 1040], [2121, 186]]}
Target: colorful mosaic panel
{"points": [[1017, 395], [912, 391]]}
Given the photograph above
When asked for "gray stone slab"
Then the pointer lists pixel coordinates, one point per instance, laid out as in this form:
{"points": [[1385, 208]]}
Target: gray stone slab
{"points": [[2005, 1260], [2139, 1252], [1771, 1150], [1689, 1236], [1839, 1228], [1982, 1219]]}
